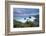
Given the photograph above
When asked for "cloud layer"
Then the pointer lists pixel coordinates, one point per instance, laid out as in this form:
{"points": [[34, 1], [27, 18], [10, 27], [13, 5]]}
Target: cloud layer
{"points": [[21, 13], [25, 11]]}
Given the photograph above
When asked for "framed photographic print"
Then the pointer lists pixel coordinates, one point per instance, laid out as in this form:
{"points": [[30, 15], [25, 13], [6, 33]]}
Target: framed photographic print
{"points": [[24, 17]]}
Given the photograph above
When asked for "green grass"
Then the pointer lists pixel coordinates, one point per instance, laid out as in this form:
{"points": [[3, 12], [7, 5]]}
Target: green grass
{"points": [[20, 24]]}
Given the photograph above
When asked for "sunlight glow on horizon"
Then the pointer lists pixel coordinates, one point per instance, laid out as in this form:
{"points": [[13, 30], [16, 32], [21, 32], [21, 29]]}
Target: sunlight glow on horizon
{"points": [[29, 19]]}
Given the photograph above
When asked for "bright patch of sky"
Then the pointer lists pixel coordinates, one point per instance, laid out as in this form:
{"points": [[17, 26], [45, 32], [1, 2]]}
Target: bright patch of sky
{"points": [[21, 13]]}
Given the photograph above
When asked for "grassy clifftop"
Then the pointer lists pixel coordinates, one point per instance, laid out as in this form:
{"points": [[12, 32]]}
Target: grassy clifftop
{"points": [[20, 24]]}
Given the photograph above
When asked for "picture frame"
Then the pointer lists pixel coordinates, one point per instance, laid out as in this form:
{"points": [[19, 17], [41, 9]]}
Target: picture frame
{"points": [[25, 4]]}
